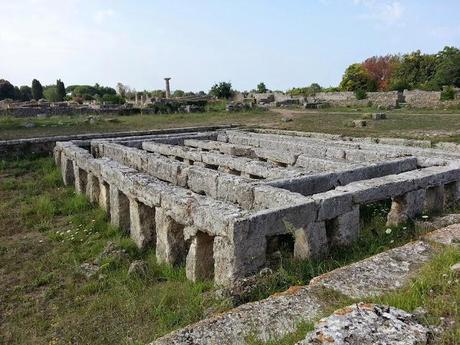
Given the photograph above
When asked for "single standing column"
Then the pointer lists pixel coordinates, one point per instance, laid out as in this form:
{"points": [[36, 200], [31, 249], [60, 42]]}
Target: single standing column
{"points": [[168, 90], [142, 223]]}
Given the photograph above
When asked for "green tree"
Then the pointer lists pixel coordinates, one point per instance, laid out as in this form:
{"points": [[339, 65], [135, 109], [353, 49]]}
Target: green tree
{"points": [[6, 90], [25, 92], [447, 68], [60, 90], [222, 90], [356, 78], [37, 90], [178, 93], [416, 70], [51, 94], [261, 88]]}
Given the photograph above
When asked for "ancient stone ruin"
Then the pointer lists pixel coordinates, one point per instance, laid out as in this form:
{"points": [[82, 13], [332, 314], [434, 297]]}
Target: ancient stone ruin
{"points": [[224, 201]]}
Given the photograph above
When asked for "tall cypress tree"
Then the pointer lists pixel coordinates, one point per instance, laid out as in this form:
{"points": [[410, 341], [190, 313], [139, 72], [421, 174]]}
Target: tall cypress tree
{"points": [[37, 90], [60, 89]]}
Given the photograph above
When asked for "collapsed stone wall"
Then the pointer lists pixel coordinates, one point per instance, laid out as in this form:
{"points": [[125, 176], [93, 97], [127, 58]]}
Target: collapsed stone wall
{"points": [[223, 201]]}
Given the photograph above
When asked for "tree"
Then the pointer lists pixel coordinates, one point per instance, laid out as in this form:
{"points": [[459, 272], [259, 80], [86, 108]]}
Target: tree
{"points": [[416, 70], [51, 93], [356, 78], [447, 68], [222, 90], [37, 90], [6, 90], [178, 93], [381, 69], [261, 88], [25, 93], [60, 90], [124, 90]]}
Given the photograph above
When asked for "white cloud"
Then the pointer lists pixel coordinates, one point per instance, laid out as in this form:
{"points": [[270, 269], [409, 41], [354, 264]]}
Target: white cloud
{"points": [[102, 15], [383, 12]]}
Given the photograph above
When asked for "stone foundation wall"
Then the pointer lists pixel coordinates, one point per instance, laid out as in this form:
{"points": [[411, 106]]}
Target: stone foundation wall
{"points": [[221, 202]]}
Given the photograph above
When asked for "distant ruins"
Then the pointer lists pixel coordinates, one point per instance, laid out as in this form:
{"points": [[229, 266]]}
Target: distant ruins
{"points": [[224, 201]]}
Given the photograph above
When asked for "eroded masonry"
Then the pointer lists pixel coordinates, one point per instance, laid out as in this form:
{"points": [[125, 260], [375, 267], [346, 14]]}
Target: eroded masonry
{"points": [[223, 202]]}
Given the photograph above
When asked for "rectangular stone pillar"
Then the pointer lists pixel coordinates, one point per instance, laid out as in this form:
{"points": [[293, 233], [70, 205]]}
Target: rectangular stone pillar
{"points": [[200, 258], [92, 188], [434, 200], [224, 261], [67, 169], [311, 241], [451, 194], [171, 245], [142, 223], [344, 229], [406, 207], [119, 209], [80, 179], [104, 195]]}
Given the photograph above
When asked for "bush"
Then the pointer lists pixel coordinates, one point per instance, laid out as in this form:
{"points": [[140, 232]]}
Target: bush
{"points": [[222, 90], [448, 94], [112, 99], [360, 94]]}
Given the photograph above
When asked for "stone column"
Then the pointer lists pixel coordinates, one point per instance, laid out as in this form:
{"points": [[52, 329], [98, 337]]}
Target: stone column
{"points": [[68, 175], [311, 241], [452, 194], [80, 179], [104, 195], [343, 230], [119, 209], [224, 261], [168, 89], [200, 258], [434, 200], [170, 246], [406, 207], [142, 223], [92, 188]]}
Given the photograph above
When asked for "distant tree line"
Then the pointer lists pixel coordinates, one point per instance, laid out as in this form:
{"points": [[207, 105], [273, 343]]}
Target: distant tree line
{"points": [[431, 72]]}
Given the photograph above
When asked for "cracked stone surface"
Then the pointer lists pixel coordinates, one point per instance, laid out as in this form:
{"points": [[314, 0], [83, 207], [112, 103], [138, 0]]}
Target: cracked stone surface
{"points": [[369, 324]]}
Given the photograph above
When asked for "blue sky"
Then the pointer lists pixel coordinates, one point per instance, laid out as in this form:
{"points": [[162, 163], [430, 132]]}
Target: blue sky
{"points": [[197, 43]]}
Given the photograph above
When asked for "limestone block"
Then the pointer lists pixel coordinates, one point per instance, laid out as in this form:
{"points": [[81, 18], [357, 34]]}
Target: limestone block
{"points": [[104, 196], [235, 190], [406, 207], [119, 209], [347, 230], [92, 188], [452, 194], [311, 241], [142, 218], [271, 197], [80, 179], [203, 181], [333, 203], [224, 261], [200, 258], [434, 199], [68, 174], [170, 243]]}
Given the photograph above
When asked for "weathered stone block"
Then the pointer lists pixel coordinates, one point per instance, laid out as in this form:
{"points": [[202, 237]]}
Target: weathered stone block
{"points": [[119, 209], [200, 258], [311, 241], [142, 218], [406, 207]]}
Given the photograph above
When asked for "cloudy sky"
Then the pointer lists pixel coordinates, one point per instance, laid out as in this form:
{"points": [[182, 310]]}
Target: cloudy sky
{"points": [[284, 43]]}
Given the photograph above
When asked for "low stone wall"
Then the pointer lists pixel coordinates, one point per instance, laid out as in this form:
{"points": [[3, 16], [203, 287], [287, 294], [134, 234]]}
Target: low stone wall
{"points": [[45, 145]]}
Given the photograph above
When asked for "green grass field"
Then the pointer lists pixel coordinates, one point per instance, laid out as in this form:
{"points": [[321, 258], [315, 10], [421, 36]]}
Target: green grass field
{"points": [[442, 125], [48, 232]]}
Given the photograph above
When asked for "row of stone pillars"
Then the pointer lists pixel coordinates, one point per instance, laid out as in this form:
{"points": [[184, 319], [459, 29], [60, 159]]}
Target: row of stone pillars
{"points": [[315, 239], [147, 226]]}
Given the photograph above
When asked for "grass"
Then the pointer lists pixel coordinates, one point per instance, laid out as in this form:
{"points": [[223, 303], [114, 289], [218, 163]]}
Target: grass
{"points": [[47, 232], [437, 125]]}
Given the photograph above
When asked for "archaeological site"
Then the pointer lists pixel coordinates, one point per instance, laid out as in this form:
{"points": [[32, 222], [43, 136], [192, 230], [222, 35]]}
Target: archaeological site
{"points": [[224, 201]]}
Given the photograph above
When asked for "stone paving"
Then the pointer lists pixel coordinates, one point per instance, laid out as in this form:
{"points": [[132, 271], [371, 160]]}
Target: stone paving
{"points": [[222, 201]]}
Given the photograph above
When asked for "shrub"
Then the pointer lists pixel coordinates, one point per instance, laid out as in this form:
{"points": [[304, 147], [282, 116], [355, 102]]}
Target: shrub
{"points": [[360, 94], [447, 94]]}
